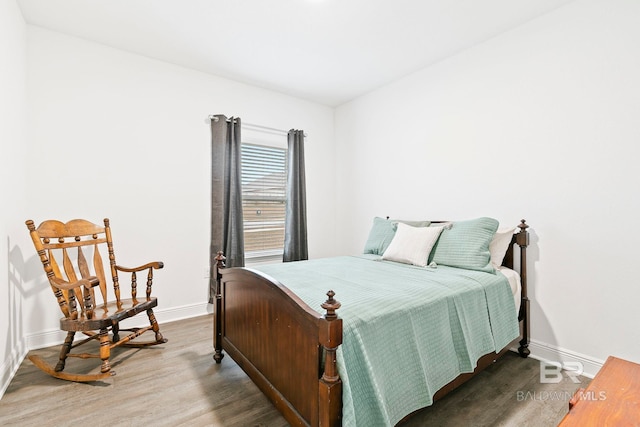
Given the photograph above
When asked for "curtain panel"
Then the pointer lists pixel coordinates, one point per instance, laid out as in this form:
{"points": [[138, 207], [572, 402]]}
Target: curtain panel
{"points": [[226, 195], [295, 231]]}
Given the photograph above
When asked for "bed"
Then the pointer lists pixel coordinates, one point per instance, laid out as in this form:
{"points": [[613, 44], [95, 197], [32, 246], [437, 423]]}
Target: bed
{"points": [[401, 337]]}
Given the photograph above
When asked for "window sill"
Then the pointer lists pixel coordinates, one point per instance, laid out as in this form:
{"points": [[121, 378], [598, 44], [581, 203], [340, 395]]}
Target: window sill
{"points": [[255, 260]]}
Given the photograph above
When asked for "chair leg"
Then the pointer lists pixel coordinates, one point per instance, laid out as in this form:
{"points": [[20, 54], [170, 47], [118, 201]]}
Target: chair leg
{"points": [[105, 350], [115, 330], [64, 351], [155, 326]]}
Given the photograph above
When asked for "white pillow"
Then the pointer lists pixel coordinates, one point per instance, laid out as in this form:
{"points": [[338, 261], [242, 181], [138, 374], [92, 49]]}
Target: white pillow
{"points": [[412, 245], [499, 245]]}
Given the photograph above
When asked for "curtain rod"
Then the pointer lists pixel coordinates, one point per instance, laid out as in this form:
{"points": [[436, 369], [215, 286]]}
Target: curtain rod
{"points": [[251, 126]]}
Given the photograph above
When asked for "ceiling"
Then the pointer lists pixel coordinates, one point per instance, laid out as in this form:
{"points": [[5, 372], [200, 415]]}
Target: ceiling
{"points": [[326, 51]]}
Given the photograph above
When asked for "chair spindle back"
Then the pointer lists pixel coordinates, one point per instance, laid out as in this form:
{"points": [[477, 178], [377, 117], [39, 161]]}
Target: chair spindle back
{"points": [[64, 244]]}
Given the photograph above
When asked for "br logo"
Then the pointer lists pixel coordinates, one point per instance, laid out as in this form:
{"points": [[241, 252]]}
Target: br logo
{"points": [[553, 372]]}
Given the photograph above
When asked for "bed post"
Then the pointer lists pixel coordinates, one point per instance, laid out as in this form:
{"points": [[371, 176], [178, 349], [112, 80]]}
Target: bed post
{"points": [[330, 385], [217, 316], [522, 239]]}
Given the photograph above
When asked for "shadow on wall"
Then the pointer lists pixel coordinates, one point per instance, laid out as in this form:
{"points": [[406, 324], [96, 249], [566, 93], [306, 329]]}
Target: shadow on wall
{"points": [[542, 327], [539, 322], [15, 347], [21, 272]]}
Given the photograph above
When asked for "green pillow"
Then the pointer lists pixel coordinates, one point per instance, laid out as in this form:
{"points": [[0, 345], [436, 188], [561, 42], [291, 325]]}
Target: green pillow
{"points": [[380, 236], [466, 245], [383, 231]]}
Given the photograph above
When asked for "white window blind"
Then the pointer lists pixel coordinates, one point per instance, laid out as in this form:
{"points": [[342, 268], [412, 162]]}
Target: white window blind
{"points": [[264, 180]]}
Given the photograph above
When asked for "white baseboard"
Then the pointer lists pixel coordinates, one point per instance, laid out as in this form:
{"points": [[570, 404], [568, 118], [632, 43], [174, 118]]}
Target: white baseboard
{"points": [[550, 353], [10, 366], [45, 339], [54, 337], [184, 312], [539, 350]]}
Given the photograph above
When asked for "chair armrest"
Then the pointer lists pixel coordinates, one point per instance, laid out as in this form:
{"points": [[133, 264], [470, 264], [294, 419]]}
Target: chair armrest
{"points": [[69, 306], [156, 265], [150, 267], [88, 283]]}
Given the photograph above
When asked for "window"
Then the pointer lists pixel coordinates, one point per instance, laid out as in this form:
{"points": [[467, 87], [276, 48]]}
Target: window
{"points": [[264, 180]]}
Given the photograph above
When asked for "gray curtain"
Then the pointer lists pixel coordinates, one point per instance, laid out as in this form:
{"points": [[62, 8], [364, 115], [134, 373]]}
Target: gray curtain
{"points": [[226, 195], [295, 230]]}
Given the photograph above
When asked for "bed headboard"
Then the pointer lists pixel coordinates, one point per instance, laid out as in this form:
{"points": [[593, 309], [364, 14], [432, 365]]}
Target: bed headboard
{"points": [[521, 239]]}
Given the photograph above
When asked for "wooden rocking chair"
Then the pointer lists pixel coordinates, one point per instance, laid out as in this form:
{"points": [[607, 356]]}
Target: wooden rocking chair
{"points": [[96, 317]]}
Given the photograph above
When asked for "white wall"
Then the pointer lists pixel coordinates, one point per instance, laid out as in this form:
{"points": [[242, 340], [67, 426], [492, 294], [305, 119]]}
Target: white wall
{"points": [[118, 135], [13, 46], [540, 123]]}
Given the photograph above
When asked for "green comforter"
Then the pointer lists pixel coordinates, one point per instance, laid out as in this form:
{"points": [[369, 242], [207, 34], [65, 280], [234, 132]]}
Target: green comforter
{"points": [[408, 330]]}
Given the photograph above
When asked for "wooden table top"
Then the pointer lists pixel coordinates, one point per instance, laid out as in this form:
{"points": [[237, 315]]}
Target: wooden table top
{"points": [[611, 399]]}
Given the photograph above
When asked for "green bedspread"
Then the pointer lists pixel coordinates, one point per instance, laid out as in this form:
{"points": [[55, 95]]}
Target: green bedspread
{"points": [[408, 330]]}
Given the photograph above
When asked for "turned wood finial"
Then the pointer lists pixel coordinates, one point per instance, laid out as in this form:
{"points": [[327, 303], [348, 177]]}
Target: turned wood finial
{"points": [[523, 226], [220, 259], [331, 305], [522, 237]]}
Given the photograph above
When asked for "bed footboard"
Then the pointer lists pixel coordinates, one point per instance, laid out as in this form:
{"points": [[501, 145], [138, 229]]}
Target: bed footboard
{"points": [[284, 346]]}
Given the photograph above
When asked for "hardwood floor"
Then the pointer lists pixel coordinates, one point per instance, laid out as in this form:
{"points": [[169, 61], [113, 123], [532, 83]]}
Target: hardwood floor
{"points": [[179, 383]]}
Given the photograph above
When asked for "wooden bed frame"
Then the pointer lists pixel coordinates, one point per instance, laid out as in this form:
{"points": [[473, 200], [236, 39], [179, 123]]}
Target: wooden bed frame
{"points": [[288, 349]]}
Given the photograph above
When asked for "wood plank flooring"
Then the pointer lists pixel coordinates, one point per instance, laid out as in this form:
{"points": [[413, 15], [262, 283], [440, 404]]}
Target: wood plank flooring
{"points": [[178, 383]]}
